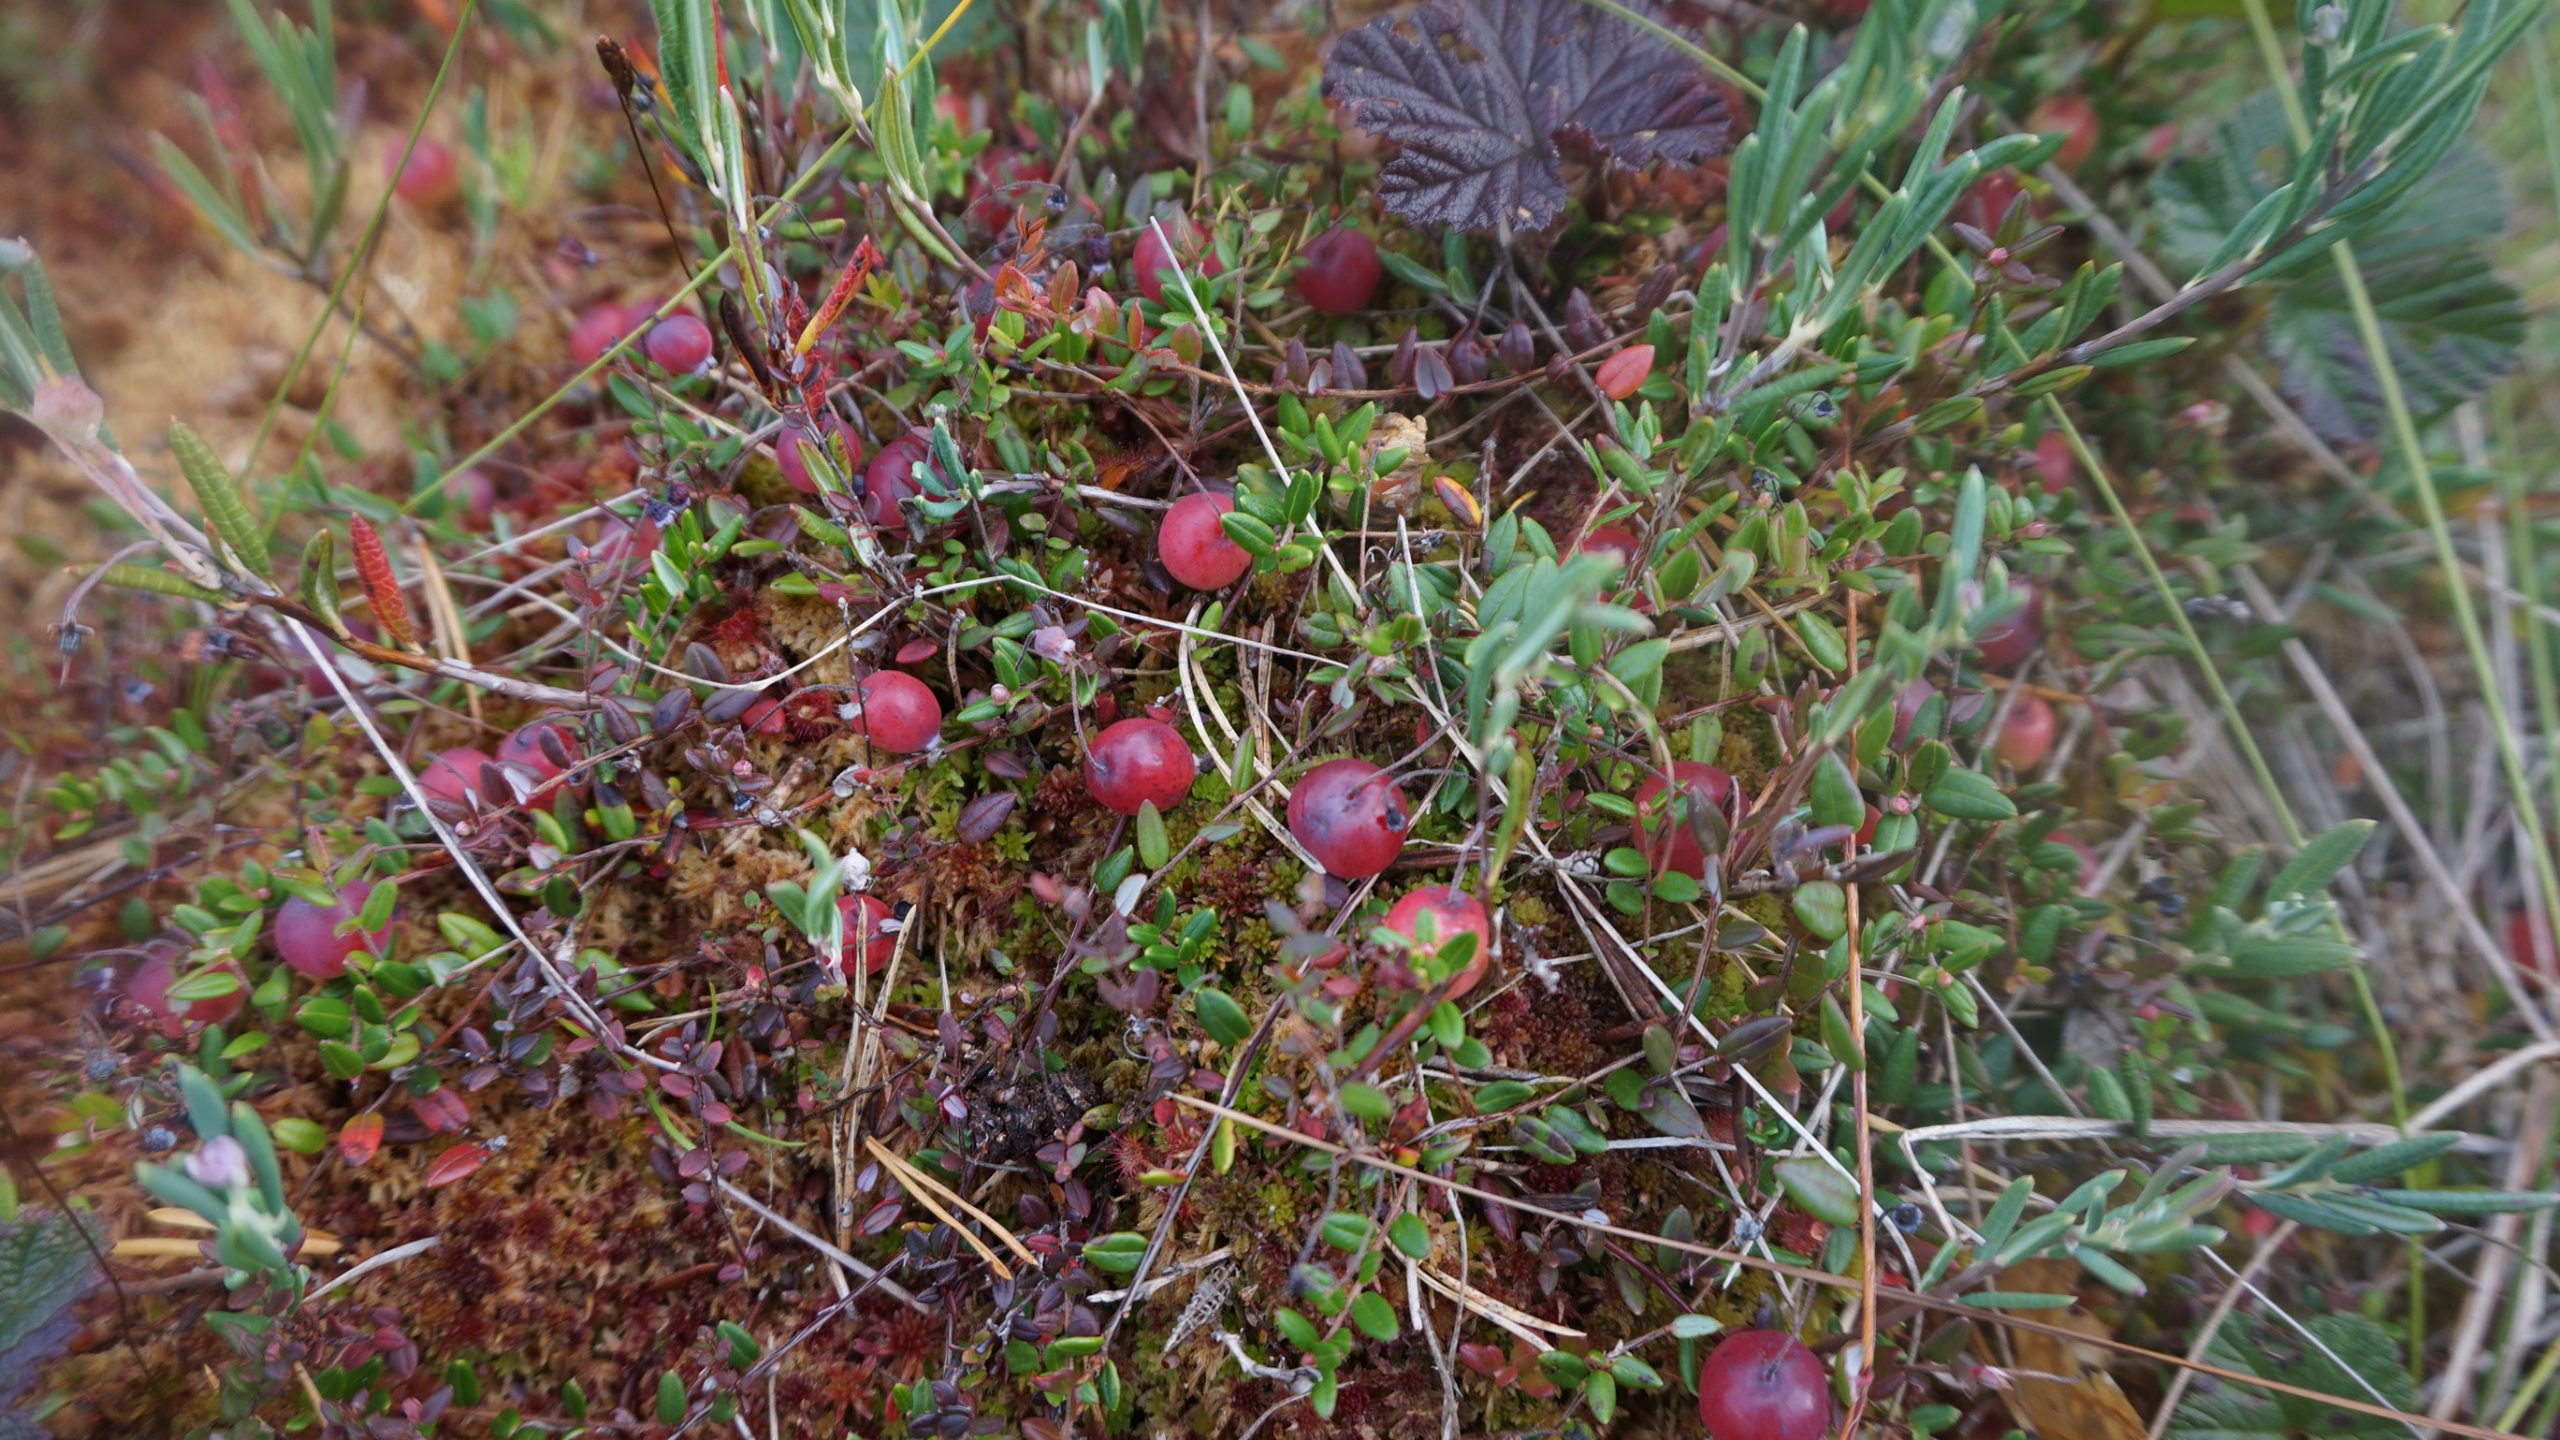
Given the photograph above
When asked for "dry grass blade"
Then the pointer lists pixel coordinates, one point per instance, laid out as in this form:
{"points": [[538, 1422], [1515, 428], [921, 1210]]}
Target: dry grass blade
{"points": [[932, 1194]]}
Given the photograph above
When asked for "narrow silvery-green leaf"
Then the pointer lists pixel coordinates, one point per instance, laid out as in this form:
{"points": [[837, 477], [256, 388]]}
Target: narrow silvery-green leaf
{"points": [[2320, 860], [225, 507]]}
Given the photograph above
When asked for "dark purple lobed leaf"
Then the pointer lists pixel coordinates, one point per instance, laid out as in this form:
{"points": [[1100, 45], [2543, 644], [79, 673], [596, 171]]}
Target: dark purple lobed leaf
{"points": [[1479, 96]]}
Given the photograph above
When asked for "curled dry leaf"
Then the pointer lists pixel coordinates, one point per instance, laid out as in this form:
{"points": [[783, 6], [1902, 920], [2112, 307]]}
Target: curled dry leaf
{"points": [[2082, 1401], [1400, 489]]}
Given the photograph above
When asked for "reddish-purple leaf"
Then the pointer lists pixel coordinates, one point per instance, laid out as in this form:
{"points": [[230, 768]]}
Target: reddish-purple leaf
{"points": [[983, 817], [360, 1137], [1480, 95], [455, 1164]]}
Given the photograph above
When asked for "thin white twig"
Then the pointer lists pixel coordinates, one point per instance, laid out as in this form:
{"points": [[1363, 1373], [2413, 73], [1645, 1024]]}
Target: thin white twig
{"points": [[368, 1265]]}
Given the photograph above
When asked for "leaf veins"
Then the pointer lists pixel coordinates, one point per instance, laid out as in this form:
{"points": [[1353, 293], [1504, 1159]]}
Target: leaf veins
{"points": [[1482, 96]]}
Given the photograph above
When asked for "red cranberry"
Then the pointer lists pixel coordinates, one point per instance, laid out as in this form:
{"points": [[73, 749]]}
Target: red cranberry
{"points": [[1138, 762], [999, 184], [454, 778], [891, 478], [1350, 816], [471, 497], [1906, 709], [2017, 635], [430, 179], [2026, 737], [307, 934], [1664, 835], [2088, 860], [523, 749], [1153, 257], [620, 545], [1340, 272], [1615, 540], [2075, 119], [600, 329], [2531, 955], [679, 344], [803, 441], [866, 932], [764, 717], [149, 988], [896, 710], [1452, 912], [1193, 547], [1764, 1385]]}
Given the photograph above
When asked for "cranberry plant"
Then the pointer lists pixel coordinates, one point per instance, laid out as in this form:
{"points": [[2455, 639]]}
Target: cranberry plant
{"points": [[1483, 724]]}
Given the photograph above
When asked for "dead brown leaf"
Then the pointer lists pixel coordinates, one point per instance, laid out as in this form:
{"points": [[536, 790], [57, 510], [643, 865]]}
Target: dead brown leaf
{"points": [[2061, 1391]]}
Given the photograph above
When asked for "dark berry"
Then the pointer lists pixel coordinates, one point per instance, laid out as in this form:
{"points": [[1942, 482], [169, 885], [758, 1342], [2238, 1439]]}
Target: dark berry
{"points": [[2012, 638], [1350, 816], [1339, 272]]}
